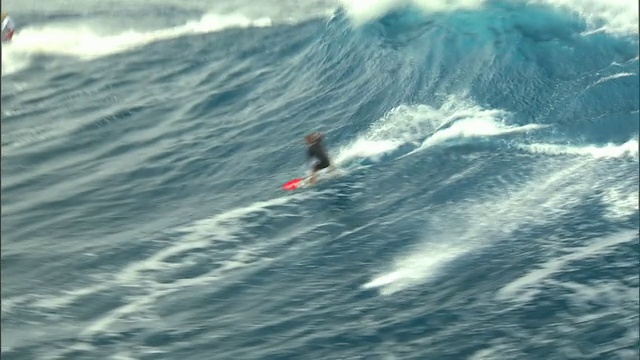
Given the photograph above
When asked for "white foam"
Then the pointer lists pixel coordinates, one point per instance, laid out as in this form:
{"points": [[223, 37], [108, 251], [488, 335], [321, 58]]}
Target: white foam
{"points": [[456, 230], [403, 124], [628, 149], [613, 77], [622, 202], [85, 42], [475, 128], [499, 351], [363, 148], [363, 11], [611, 16], [614, 16], [415, 269], [477, 122], [527, 286], [15, 61], [618, 181], [425, 126]]}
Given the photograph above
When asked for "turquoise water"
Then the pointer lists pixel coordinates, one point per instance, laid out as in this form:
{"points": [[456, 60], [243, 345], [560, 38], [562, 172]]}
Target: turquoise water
{"points": [[486, 205]]}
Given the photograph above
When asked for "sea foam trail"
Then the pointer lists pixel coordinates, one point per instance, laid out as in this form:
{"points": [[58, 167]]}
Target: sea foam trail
{"points": [[86, 43], [527, 286], [198, 235], [628, 149], [457, 230], [423, 126]]}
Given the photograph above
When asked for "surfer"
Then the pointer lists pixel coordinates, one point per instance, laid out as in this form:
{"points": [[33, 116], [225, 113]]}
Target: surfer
{"points": [[8, 27], [317, 154]]}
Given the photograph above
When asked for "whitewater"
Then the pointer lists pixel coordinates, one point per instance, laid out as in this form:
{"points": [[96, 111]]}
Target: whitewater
{"points": [[486, 204]]}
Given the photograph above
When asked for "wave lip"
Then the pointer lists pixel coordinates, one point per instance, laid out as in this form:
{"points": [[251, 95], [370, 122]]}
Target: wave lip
{"points": [[364, 11], [618, 17], [611, 16]]}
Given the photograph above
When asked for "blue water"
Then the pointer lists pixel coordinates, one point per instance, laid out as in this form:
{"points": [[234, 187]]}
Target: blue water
{"points": [[485, 204]]}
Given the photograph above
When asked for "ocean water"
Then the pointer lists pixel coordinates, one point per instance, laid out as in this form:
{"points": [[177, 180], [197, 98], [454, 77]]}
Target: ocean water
{"points": [[485, 204]]}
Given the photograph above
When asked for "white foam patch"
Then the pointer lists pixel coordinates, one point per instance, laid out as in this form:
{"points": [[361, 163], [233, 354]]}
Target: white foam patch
{"points": [[412, 270], [456, 230], [402, 125], [615, 16], [15, 61], [628, 149], [363, 11], [124, 355], [499, 351], [613, 77], [612, 16], [614, 293], [476, 127], [621, 202], [611, 173], [85, 42], [475, 122], [526, 287], [424, 126]]}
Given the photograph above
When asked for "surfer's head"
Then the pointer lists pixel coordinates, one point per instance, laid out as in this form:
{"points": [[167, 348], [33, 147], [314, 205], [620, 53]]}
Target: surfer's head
{"points": [[313, 138], [4, 15], [309, 139]]}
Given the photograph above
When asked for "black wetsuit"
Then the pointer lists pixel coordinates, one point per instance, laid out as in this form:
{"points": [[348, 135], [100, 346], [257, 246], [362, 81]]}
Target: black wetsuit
{"points": [[318, 156]]}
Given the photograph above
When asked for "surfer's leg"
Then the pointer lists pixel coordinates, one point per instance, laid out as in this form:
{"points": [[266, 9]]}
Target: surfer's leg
{"points": [[312, 177], [316, 168], [323, 165]]}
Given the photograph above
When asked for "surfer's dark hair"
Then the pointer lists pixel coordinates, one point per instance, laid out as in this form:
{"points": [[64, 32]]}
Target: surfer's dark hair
{"points": [[313, 137]]}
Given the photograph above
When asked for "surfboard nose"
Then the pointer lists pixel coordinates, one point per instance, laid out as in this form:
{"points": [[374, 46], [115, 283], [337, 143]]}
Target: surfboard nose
{"points": [[293, 184]]}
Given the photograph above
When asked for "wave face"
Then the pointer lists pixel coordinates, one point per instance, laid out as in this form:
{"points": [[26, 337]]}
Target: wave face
{"points": [[485, 204]]}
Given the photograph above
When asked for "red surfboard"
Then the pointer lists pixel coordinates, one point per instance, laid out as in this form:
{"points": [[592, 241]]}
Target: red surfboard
{"points": [[293, 184]]}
